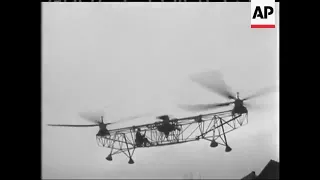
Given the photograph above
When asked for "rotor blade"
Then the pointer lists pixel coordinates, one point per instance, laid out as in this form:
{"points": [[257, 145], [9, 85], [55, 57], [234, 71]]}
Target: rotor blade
{"points": [[131, 118], [66, 125], [261, 92], [213, 81], [202, 107], [92, 117], [254, 106]]}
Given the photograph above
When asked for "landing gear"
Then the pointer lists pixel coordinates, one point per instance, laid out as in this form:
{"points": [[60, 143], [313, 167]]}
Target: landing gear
{"points": [[130, 155], [228, 148], [213, 143], [131, 161], [118, 143], [221, 127], [109, 157]]}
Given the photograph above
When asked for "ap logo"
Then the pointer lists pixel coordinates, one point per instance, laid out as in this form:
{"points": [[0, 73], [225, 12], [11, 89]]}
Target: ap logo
{"points": [[263, 14]]}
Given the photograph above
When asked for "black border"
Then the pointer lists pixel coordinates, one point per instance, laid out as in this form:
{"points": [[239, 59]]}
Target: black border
{"points": [[28, 92], [294, 135], [199, 1], [22, 68]]}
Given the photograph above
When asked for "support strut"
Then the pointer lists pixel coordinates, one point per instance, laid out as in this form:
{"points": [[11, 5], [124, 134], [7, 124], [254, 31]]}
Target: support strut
{"points": [[109, 157], [228, 149], [130, 155]]}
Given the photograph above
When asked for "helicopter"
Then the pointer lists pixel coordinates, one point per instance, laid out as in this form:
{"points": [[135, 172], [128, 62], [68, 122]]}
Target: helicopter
{"points": [[212, 127]]}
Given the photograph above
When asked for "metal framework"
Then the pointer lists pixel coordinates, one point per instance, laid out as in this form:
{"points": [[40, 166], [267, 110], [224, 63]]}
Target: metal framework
{"points": [[212, 127]]}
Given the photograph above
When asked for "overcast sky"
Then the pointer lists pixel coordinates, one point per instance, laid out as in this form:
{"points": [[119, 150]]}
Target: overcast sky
{"points": [[135, 58]]}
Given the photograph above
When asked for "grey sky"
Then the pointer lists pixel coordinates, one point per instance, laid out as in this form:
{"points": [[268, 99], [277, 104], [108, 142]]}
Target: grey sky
{"points": [[132, 59]]}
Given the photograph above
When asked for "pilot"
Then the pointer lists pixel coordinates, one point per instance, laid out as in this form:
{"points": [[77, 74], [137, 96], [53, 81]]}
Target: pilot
{"points": [[141, 139]]}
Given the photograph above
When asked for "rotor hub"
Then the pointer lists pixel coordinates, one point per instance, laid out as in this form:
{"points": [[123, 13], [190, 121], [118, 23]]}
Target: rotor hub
{"points": [[102, 126]]}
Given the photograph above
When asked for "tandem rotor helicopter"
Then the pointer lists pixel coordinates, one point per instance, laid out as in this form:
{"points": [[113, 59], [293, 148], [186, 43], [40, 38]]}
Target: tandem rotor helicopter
{"points": [[166, 131]]}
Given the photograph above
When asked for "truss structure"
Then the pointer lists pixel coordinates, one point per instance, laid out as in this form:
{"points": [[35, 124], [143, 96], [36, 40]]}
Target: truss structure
{"points": [[212, 127]]}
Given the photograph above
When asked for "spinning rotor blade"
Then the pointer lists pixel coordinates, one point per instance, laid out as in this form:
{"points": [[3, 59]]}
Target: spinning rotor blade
{"points": [[202, 107], [131, 118], [92, 117], [214, 82], [65, 125], [254, 106], [261, 92]]}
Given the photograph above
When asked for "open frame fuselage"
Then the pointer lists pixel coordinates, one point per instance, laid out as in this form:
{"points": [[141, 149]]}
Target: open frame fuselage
{"points": [[212, 127]]}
